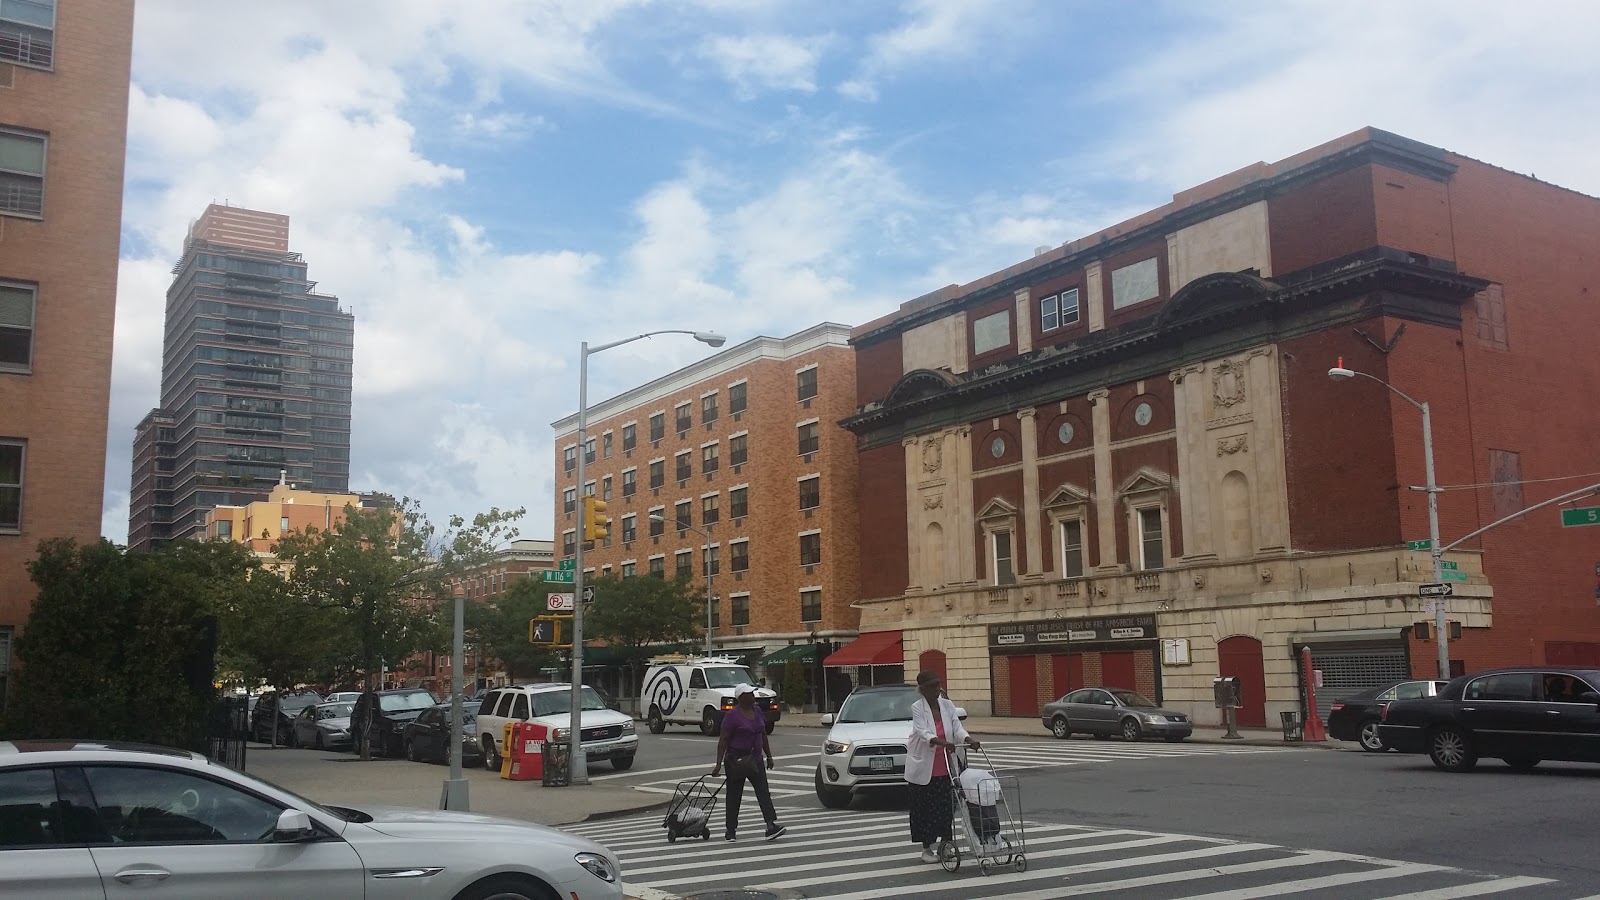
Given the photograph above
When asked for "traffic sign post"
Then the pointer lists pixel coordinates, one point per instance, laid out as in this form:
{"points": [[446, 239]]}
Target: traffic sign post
{"points": [[1582, 515]]}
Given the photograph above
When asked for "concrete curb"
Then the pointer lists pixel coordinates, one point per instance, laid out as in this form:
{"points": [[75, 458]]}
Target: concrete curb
{"points": [[604, 815]]}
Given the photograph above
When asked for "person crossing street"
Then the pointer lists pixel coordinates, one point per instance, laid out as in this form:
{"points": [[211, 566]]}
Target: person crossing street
{"points": [[745, 750]]}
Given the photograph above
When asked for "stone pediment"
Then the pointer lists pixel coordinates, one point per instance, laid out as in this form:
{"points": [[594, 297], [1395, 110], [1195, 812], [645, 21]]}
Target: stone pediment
{"points": [[1067, 495], [919, 384], [997, 509], [1215, 294], [1144, 481]]}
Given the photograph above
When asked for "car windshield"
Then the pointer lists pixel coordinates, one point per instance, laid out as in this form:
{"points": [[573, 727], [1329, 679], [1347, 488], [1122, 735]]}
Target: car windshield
{"points": [[297, 702], [409, 700], [878, 706], [554, 703], [728, 676], [335, 710], [1133, 698]]}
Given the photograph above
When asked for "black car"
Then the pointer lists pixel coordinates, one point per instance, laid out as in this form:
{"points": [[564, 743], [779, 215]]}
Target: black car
{"points": [[284, 707], [427, 737], [1356, 718], [387, 724], [1521, 716]]}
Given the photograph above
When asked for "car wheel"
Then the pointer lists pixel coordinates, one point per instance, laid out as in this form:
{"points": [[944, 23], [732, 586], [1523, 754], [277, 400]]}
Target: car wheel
{"points": [[1522, 763], [1451, 749], [291, 739], [1371, 740], [829, 796], [708, 722], [1130, 729], [508, 887], [411, 751], [1059, 728], [319, 741], [491, 755], [771, 726], [654, 720], [622, 763]]}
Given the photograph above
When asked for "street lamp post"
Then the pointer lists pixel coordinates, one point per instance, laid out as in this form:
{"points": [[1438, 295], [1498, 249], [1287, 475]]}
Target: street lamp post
{"points": [[1440, 624], [577, 765], [455, 795], [705, 564]]}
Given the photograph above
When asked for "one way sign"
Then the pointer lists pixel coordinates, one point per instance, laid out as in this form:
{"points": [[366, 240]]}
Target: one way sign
{"points": [[588, 594], [1435, 590]]}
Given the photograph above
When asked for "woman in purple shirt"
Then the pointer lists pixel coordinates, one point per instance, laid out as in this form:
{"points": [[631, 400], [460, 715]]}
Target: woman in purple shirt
{"points": [[744, 747]]}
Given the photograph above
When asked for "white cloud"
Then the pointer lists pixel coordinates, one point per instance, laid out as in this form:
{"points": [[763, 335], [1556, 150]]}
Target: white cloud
{"points": [[765, 62], [937, 34]]}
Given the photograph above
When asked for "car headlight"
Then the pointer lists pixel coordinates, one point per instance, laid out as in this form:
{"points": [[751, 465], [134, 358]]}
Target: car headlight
{"points": [[558, 734], [834, 747], [627, 727], [1152, 717], [598, 866]]}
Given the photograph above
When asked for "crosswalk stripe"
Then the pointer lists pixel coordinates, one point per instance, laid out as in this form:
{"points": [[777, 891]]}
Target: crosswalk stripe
{"points": [[1307, 858], [635, 850], [651, 827], [1498, 885], [1399, 870]]}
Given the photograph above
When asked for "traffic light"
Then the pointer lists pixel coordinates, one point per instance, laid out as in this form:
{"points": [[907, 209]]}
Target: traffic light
{"points": [[596, 524], [545, 631]]}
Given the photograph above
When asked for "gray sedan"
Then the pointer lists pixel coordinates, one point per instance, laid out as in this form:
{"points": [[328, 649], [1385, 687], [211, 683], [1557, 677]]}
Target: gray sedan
{"points": [[1104, 712], [325, 726]]}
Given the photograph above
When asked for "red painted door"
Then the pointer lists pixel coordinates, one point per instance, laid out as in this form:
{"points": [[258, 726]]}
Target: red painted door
{"points": [[1240, 657], [1068, 671], [932, 661], [1116, 670], [1024, 687]]}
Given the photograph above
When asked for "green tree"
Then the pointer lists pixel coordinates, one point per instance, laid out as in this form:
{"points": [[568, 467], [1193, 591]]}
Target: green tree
{"points": [[794, 685], [388, 572], [120, 646], [499, 626], [639, 615]]}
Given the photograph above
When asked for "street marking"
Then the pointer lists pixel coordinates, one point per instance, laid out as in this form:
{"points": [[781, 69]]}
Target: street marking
{"points": [[1400, 870], [1476, 890], [1099, 887], [689, 768]]}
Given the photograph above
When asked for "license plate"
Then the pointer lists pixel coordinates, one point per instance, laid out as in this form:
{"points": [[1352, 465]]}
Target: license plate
{"points": [[880, 763]]}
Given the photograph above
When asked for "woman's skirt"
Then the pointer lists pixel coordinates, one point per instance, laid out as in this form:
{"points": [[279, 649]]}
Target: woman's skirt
{"points": [[931, 810]]}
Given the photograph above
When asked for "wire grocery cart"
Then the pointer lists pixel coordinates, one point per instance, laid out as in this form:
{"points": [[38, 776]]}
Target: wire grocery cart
{"points": [[988, 815], [689, 814]]}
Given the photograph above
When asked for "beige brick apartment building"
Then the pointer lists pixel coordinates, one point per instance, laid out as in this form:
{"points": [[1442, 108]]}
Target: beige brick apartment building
{"points": [[741, 456]]}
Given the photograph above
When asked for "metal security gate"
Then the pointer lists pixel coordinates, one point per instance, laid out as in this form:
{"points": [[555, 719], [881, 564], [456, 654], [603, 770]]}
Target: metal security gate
{"points": [[1349, 669]]}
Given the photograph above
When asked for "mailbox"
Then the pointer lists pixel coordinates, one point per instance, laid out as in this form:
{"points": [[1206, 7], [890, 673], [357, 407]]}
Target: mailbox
{"points": [[1228, 694]]}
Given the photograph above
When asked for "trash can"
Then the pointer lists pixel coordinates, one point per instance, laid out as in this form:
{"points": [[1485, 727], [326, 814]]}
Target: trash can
{"points": [[557, 773], [1293, 729]]}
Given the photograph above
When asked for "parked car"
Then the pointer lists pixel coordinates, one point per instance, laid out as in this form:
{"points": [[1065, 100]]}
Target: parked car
{"points": [[324, 726], [387, 725], [343, 697], [607, 734], [109, 819], [866, 745], [282, 707], [682, 690], [427, 737], [1356, 718], [1521, 716], [1104, 712]]}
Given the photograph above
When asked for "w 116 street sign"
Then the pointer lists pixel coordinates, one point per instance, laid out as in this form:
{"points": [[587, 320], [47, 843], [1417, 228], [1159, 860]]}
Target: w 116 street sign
{"points": [[558, 576]]}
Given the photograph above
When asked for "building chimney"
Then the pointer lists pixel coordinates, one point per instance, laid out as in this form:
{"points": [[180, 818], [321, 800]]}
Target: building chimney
{"points": [[283, 476]]}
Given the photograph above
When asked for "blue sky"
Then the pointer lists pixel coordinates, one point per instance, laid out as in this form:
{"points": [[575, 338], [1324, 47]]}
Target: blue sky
{"points": [[487, 183]]}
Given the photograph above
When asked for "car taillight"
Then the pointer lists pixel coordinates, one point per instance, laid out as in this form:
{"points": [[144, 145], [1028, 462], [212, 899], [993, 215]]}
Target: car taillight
{"points": [[1336, 707]]}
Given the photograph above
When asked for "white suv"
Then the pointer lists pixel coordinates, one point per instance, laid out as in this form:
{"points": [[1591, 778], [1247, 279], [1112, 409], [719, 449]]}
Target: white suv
{"points": [[866, 746], [607, 734]]}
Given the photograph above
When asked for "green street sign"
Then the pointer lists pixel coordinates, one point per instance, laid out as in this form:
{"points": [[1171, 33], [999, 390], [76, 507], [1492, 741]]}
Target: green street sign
{"points": [[1448, 565], [1450, 575], [1419, 545], [559, 576], [568, 564], [1583, 515]]}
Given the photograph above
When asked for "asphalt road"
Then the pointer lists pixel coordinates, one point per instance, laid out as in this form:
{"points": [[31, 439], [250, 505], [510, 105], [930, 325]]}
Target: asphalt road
{"points": [[1153, 821]]}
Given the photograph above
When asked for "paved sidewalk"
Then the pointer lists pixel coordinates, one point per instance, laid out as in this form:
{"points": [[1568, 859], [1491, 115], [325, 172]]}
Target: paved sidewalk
{"points": [[995, 726], [342, 778]]}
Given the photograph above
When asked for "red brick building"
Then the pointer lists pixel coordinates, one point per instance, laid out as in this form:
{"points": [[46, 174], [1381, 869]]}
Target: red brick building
{"points": [[63, 133], [1123, 461]]}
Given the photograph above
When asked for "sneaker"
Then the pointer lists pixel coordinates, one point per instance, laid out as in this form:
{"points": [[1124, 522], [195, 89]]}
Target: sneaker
{"points": [[730, 838], [928, 856], [775, 831]]}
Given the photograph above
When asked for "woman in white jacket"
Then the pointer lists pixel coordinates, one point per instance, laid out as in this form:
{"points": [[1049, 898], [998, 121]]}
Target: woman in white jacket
{"points": [[927, 770]]}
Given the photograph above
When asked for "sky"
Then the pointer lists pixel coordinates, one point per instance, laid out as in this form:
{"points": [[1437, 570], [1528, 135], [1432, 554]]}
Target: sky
{"points": [[486, 183]]}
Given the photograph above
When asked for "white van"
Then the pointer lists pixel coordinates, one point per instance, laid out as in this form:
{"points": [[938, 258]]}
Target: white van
{"points": [[684, 690]]}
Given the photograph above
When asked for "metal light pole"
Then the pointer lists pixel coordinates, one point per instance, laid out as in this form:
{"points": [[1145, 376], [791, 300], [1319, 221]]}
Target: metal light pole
{"points": [[704, 562], [455, 795], [577, 764], [1441, 626]]}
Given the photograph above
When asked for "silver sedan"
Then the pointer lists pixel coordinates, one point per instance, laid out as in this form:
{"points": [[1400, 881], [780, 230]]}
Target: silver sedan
{"points": [[81, 819], [325, 726], [1104, 712]]}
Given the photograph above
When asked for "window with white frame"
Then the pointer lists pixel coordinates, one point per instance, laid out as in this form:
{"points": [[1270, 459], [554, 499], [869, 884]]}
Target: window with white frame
{"points": [[710, 509], [658, 523], [630, 436], [588, 451], [683, 515], [739, 502], [708, 408], [569, 500], [685, 564], [738, 449], [739, 555], [17, 303], [569, 458], [809, 437], [658, 566], [22, 155], [1002, 557], [811, 604], [711, 560], [1058, 310], [658, 426], [684, 416], [605, 488], [629, 569], [736, 398], [740, 609], [709, 458], [28, 32], [811, 492], [605, 445], [629, 528], [685, 466], [630, 484], [806, 383], [569, 543], [1152, 538], [13, 460], [811, 548], [658, 473], [1072, 560]]}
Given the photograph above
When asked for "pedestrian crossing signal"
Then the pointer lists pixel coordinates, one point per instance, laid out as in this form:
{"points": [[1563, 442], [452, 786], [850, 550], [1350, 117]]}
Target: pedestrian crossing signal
{"points": [[545, 631]]}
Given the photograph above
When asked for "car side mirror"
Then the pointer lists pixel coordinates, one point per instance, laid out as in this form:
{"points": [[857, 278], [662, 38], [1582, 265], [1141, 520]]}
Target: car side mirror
{"points": [[293, 825], [827, 718]]}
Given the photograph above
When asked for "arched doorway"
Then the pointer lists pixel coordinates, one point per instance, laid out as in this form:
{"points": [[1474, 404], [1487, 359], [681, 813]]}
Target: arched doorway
{"points": [[932, 661], [1240, 657]]}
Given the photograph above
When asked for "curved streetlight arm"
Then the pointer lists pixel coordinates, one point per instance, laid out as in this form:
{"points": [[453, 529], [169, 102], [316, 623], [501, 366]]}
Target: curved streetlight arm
{"points": [[1407, 397], [705, 337], [1578, 494]]}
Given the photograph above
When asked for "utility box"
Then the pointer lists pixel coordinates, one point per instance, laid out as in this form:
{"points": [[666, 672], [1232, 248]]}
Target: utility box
{"points": [[1228, 692]]}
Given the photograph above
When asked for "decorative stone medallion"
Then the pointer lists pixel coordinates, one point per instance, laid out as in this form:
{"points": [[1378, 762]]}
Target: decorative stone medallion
{"points": [[1142, 414], [1065, 433], [932, 456], [997, 447], [1227, 383]]}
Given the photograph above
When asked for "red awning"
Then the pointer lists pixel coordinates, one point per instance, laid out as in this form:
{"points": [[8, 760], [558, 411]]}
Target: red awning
{"points": [[875, 648]]}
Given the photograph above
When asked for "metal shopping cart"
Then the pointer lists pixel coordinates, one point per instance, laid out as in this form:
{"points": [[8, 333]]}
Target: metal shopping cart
{"points": [[689, 814], [988, 816]]}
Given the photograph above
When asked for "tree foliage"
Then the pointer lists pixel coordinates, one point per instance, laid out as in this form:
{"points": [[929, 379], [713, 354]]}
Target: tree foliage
{"points": [[499, 626], [638, 615], [794, 685]]}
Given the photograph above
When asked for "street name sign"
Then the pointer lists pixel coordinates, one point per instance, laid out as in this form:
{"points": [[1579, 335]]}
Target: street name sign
{"points": [[1448, 564], [559, 602], [1419, 545], [1434, 590], [568, 564], [1449, 575], [1583, 515], [558, 576]]}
